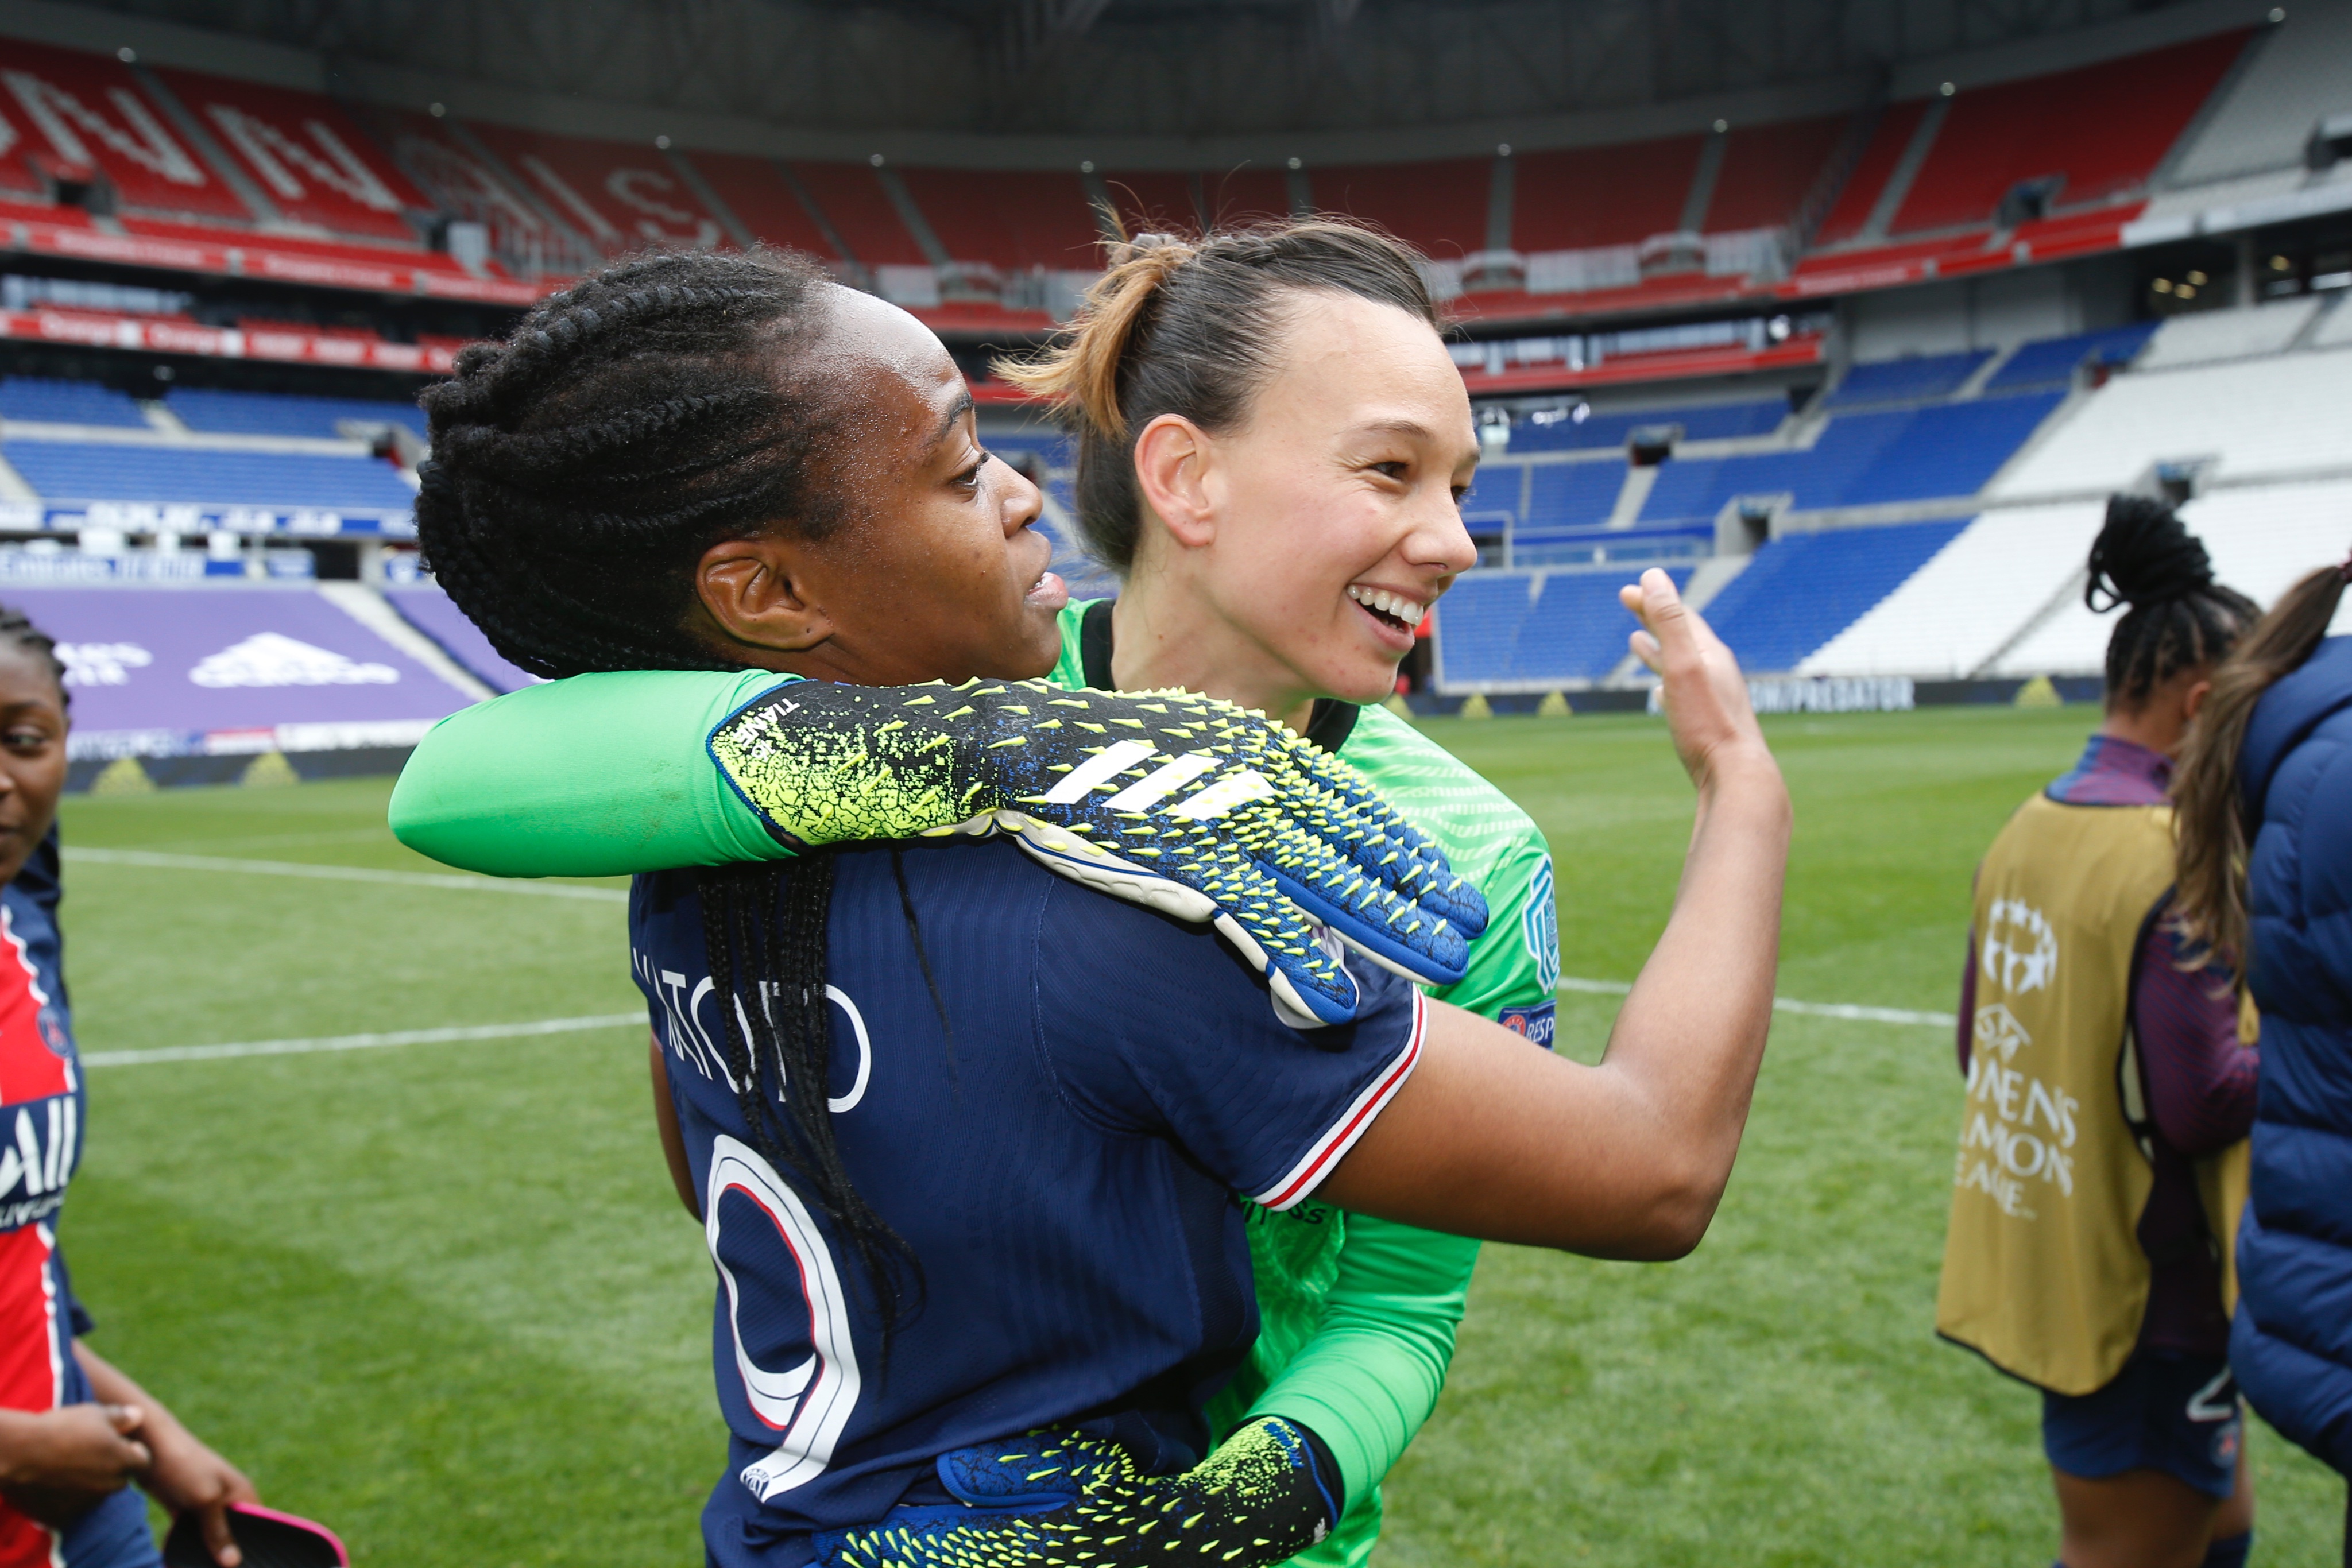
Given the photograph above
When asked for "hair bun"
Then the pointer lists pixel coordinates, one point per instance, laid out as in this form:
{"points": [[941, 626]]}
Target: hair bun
{"points": [[2144, 556]]}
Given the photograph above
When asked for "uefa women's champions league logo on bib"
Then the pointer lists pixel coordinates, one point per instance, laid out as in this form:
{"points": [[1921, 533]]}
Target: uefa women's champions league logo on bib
{"points": [[1540, 926], [2020, 950]]}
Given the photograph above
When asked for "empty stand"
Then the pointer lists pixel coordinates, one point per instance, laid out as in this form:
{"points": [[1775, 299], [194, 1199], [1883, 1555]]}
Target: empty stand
{"points": [[68, 402], [1576, 628], [88, 111], [79, 471], [2336, 331], [1582, 197], [1906, 380], [2278, 416], [756, 191], [1011, 219], [617, 195], [2296, 75], [1570, 495], [1439, 207], [853, 202], [310, 158], [1857, 199], [1153, 201], [459, 181], [1239, 194], [1802, 590], [1950, 449], [430, 610], [1972, 596], [2053, 361], [215, 410], [1769, 170], [1478, 623], [1700, 422], [2103, 127], [2207, 335], [2261, 539]]}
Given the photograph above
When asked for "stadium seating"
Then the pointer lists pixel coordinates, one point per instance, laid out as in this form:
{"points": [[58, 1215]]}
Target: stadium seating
{"points": [[2335, 331], [76, 471], [48, 401], [1582, 197], [2294, 76], [1950, 449], [432, 612], [1957, 611], [1478, 623], [2205, 336], [108, 122], [1769, 170], [1802, 590], [1570, 495], [1576, 628], [1439, 207], [1237, 195], [853, 202], [1011, 219], [619, 196], [2103, 127], [755, 190], [1911, 380], [213, 411], [2052, 361], [309, 157], [1700, 422], [2282, 414], [1152, 200], [1867, 181], [2261, 539]]}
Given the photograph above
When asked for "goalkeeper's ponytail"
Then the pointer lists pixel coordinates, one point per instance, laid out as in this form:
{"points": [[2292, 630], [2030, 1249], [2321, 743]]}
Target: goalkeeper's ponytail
{"points": [[1194, 328]]}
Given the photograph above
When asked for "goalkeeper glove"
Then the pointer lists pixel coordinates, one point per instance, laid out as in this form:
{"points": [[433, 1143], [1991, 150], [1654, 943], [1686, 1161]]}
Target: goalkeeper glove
{"points": [[1270, 1491], [1187, 805]]}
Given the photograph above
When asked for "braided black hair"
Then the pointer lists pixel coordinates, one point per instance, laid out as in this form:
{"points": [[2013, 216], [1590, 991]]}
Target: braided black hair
{"points": [[579, 470], [18, 627], [2179, 617]]}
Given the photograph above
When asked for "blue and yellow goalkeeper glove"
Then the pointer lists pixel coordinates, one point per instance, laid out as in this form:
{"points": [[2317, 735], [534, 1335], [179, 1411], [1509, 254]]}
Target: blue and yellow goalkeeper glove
{"points": [[1269, 1494], [1183, 803]]}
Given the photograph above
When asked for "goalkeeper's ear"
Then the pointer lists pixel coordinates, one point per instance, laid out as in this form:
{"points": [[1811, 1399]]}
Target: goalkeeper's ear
{"points": [[759, 596]]}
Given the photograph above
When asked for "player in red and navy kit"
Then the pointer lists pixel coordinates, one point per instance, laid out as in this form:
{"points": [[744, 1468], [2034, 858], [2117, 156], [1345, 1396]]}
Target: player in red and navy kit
{"points": [[74, 1431]]}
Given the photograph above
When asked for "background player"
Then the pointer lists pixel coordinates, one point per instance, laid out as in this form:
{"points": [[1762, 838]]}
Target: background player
{"points": [[2102, 1152], [1473, 1151], [74, 1431]]}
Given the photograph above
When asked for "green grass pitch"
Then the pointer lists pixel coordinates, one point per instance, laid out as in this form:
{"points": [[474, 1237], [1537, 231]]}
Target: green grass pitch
{"points": [[442, 1297]]}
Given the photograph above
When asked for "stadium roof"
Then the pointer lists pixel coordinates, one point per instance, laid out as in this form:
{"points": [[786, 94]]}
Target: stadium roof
{"points": [[1189, 72]]}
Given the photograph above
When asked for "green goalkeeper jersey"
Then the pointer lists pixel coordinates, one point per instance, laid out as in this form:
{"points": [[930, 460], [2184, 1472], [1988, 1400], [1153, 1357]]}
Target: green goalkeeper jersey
{"points": [[1321, 1333]]}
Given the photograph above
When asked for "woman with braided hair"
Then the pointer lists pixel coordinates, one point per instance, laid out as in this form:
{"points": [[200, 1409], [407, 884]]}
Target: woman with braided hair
{"points": [[2102, 1152], [960, 979]]}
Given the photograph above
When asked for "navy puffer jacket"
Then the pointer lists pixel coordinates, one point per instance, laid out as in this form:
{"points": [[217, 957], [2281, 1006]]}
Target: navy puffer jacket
{"points": [[2291, 1344]]}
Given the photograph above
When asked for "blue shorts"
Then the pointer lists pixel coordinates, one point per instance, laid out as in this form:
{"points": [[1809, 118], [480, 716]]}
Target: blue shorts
{"points": [[2165, 1411]]}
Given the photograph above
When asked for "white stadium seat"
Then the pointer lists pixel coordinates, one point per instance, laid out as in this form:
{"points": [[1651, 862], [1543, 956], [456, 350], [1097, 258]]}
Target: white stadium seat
{"points": [[2208, 335]]}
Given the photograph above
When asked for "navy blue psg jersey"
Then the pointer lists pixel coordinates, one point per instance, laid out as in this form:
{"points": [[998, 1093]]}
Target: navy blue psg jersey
{"points": [[1067, 1158]]}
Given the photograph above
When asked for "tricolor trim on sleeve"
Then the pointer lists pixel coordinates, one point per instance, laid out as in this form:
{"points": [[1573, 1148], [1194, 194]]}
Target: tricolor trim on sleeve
{"points": [[1307, 1174]]}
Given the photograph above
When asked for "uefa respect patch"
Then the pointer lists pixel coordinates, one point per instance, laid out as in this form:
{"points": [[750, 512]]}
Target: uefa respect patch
{"points": [[1535, 1022]]}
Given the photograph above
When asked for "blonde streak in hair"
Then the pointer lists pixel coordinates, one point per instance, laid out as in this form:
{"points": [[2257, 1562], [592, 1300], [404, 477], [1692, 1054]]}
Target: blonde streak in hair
{"points": [[1081, 372]]}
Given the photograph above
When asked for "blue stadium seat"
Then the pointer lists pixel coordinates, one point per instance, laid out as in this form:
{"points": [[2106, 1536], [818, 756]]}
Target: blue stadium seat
{"points": [[1577, 630], [2052, 361], [74, 471], [68, 402], [1703, 422], [1572, 495], [1912, 379], [1478, 623], [1803, 590], [1950, 449], [218, 413]]}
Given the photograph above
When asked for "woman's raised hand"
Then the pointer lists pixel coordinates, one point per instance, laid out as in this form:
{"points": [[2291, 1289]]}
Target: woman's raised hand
{"points": [[1705, 695]]}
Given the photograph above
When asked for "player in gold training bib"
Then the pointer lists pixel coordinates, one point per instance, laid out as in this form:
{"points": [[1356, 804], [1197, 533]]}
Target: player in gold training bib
{"points": [[2102, 1153]]}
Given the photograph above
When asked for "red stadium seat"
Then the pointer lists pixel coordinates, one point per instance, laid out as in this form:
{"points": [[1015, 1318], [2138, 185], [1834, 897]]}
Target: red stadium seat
{"points": [[1011, 219], [2104, 128], [619, 196], [853, 202], [87, 109], [1245, 195], [13, 210], [309, 157], [1769, 170], [1875, 167], [755, 192], [1154, 201], [1582, 197], [1439, 207]]}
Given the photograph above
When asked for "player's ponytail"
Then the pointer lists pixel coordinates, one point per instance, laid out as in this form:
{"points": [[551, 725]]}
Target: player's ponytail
{"points": [[1194, 327], [2177, 617], [2209, 816]]}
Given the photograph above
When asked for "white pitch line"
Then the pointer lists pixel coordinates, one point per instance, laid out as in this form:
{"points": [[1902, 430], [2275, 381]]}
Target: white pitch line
{"points": [[1847, 1010], [458, 881], [358, 1041]]}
